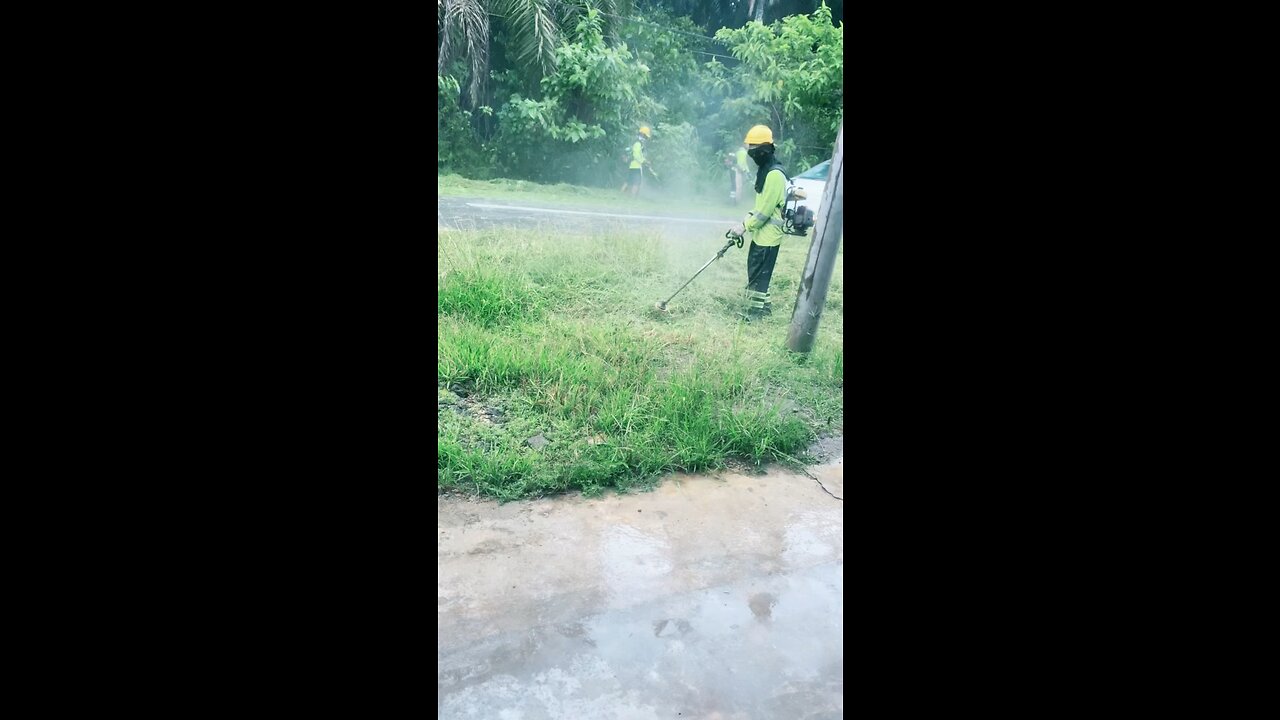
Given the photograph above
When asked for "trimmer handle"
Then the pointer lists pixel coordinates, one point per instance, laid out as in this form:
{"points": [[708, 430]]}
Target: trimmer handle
{"points": [[733, 238]]}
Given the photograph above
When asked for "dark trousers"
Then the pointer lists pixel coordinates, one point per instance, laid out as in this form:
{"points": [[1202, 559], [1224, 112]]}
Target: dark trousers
{"points": [[760, 262]]}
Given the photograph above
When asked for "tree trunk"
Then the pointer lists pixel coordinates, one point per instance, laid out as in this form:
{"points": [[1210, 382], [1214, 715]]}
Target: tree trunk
{"points": [[821, 261]]}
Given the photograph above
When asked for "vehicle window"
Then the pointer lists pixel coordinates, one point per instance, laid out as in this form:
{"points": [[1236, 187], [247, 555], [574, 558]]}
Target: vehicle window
{"points": [[817, 172]]}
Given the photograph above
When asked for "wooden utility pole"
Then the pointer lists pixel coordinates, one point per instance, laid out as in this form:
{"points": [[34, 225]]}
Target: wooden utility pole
{"points": [[827, 230]]}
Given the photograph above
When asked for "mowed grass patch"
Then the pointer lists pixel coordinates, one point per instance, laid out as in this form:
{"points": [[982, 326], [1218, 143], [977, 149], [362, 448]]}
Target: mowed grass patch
{"points": [[554, 372]]}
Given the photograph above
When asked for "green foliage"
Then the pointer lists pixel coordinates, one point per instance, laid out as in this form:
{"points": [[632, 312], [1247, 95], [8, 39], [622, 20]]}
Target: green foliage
{"points": [[571, 82], [521, 39], [535, 30], [464, 32], [457, 148], [675, 157], [793, 68], [658, 43], [589, 101]]}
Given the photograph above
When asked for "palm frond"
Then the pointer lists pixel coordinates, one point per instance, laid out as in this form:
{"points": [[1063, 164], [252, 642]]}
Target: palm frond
{"points": [[534, 29], [445, 49], [568, 12], [466, 23], [615, 11], [475, 25]]}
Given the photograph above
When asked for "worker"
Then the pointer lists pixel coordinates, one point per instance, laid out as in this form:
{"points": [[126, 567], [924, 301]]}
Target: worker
{"points": [[735, 179], [764, 222], [635, 172], [742, 170]]}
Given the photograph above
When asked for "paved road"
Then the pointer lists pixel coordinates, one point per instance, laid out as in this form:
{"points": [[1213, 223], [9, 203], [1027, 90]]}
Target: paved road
{"points": [[472, 213], [710, 598]]}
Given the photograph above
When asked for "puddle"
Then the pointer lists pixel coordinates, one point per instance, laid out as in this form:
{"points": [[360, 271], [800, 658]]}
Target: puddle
{"points": [[631, 561], [761, 605]]}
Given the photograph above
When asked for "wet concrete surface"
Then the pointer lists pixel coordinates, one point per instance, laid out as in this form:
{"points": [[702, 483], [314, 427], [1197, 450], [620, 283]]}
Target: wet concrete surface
{"points": [[828, 447], [480, 213], [710, 597]]}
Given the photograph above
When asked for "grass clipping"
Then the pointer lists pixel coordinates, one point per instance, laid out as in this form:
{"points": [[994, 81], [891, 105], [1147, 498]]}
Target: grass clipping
{"points": [[554, 373]]}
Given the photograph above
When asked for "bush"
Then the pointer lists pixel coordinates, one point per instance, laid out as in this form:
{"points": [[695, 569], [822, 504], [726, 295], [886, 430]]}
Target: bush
{"points": [[457, 147]]}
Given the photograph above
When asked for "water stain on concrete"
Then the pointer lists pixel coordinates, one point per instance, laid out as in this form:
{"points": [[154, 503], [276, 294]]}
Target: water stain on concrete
{"points": [[762, 606], [831, 476], [487, 547], [677, 626], [710, 602]]}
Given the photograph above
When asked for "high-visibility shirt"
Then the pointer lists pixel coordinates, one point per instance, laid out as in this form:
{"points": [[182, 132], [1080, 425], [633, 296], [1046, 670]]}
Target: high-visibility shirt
{"points": [[742, 160], [637, 155], [768, 207]]}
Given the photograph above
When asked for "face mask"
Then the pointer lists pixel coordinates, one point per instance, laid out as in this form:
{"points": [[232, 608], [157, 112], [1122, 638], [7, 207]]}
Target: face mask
{"points": [[760, 155]]}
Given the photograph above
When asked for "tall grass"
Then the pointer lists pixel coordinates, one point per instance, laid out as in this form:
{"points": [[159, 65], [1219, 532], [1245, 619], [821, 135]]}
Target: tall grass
{"points": [[553, 339]]}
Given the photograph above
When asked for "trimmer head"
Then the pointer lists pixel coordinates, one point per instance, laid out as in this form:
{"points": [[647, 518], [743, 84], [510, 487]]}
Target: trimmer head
{"points": [[662, 305]]}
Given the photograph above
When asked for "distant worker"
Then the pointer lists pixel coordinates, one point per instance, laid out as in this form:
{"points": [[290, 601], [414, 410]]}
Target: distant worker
{"points": [[735, 180], [764, 222], [635, 173], [742, 170]]}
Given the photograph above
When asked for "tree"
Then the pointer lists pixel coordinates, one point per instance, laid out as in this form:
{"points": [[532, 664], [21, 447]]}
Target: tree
{"points": [[535, 27], [551, 92], [589, 103], [715, 14], [793, 69], [666, 44]]}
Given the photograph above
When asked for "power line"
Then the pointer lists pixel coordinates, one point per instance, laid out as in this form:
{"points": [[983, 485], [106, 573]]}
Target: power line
{"points": [[638, 22], [660, 27], [678, 32], [665, 29], [727, 57]]}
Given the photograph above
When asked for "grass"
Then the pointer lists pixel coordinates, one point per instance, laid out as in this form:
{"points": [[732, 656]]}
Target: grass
{"points": [[653, 197], [554, 372]]}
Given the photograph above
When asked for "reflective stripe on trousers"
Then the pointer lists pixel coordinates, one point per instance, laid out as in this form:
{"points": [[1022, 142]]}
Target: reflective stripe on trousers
{"points": [[760, 262], [759, 300]]}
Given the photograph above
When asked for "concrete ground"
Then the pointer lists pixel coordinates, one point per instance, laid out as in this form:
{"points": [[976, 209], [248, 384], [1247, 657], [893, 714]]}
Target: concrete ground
{"points": [[708, 598]]}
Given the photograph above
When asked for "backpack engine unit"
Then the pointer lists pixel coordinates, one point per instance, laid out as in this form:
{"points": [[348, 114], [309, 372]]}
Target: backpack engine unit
{"points": [[796, 218]]}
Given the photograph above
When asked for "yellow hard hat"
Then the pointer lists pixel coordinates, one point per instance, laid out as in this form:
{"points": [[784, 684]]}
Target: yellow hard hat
{"points": [[758, 135], [645, 131]]}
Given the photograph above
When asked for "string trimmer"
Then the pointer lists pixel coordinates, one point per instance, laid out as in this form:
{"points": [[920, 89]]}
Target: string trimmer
{"points": [[733, 240]]}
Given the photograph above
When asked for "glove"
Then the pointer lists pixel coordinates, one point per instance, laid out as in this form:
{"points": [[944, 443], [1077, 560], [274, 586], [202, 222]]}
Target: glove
{"points": [[738, 230]]}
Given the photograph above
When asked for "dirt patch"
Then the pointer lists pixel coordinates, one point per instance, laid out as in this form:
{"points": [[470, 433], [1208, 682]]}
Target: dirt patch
{"points": [[827, 447], [480, 410]]}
